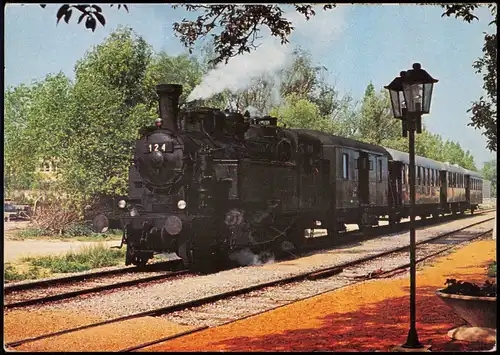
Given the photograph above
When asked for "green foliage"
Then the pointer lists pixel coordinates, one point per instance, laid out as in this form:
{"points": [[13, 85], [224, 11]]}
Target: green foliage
{"points": [[78, 229], [302, 113], [377, 124], [34, 272], [484, 110], [35, 119], [470, 289], [492, 269], [89, 257], [108, 106], [164, 68], [33, 232], [490, 173]]}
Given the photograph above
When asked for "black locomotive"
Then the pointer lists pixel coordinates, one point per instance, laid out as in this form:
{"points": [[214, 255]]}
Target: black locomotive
{"points": [[206, 183]]}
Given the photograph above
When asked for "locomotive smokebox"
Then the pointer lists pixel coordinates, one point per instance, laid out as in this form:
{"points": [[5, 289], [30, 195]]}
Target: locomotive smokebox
{"points": [[169, 95]]}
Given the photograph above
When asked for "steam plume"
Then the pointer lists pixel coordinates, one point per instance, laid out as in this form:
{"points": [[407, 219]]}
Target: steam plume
{"points": [[245, 257], [240, 71]]}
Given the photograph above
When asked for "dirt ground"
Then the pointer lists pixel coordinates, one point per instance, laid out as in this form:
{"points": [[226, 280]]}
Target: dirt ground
{"points": [[16, 249]]}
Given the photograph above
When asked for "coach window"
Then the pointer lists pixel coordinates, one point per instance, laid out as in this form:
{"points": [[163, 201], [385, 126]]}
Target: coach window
{"points": [[424, 179], [345, 166], [403, 173], [419, 175], [432, 177], [380, 170]]}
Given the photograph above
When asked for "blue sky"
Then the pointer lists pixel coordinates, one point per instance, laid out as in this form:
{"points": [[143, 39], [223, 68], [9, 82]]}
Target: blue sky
{"points": [[357, 43]]}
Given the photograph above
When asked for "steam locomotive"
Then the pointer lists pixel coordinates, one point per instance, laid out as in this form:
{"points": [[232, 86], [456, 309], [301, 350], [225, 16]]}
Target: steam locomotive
{"points": [[206, 183]]}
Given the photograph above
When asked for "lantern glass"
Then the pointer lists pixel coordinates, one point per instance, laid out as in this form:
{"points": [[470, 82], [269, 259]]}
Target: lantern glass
{"points": [[427, 97], [397, 102], [413, 94]]}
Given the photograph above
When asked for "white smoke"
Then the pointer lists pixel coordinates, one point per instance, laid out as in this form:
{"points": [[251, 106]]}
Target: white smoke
{"points": [[253, 111], [239, 73], [245, 257]]}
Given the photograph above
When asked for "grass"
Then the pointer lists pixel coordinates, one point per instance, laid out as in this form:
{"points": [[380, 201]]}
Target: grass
{"points": [[88, 257], [492, 269], [40, 233], [11, 273]]}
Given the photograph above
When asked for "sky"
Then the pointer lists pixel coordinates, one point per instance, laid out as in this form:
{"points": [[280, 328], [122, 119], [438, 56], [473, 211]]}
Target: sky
{"points": [[356, 43]]}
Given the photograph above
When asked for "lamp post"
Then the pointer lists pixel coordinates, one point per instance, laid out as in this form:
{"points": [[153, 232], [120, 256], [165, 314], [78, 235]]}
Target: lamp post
{"points": [[411, 95]]}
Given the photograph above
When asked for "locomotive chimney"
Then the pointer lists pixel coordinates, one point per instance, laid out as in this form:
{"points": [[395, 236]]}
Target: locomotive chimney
{"points": [[168, 95]]}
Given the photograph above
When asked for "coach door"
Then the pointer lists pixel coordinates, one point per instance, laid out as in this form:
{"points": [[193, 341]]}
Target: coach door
{"points": [[467, 187], [444, 186], [363, 178]]}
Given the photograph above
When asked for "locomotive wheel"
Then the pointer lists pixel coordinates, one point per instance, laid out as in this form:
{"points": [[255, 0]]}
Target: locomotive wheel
{"points": [[296, 235]]}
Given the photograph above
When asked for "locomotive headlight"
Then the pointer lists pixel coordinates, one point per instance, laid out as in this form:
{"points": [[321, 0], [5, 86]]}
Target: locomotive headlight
{"points": [[122, 204], [181, 204], [134, 212]]}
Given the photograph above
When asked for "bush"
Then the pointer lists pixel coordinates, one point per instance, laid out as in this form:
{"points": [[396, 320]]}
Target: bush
{"points": [[56, 216], [34, 232], [78, 229], [492, 269], [34, 272], [89, 257], [470, 289]]}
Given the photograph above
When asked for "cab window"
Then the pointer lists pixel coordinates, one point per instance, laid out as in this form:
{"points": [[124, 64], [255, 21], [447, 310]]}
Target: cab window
{"points": [[345, 166]]}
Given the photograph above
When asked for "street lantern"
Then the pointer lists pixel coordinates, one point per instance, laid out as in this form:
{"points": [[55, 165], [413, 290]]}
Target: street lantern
{"points": [[417, 89], [411, 95]]}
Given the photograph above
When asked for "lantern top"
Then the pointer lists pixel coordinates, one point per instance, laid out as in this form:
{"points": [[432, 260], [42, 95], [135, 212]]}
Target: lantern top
{"points": [[417, 75], [396, 84]]}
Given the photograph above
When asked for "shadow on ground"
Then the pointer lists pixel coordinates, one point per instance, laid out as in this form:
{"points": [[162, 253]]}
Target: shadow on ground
{"points": [[374, 327]]}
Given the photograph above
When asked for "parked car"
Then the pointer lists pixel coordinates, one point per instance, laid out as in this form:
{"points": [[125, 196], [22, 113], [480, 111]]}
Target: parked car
{"points": [[14, 212]]}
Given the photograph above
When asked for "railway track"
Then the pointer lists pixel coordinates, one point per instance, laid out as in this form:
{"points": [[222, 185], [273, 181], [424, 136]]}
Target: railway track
{"points": [[39, 292], [358, 235], [219, 308]]}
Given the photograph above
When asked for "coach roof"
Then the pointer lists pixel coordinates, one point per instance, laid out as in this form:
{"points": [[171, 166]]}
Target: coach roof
{"points": [[328, 139], [420, 161]]}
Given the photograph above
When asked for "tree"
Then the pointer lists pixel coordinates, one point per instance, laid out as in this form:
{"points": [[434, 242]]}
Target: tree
{"points": [[181, 69], [490, 173], [484, 111], [109, 104], [36, 127], [17, 103], [299, 112], [377, 125]]}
